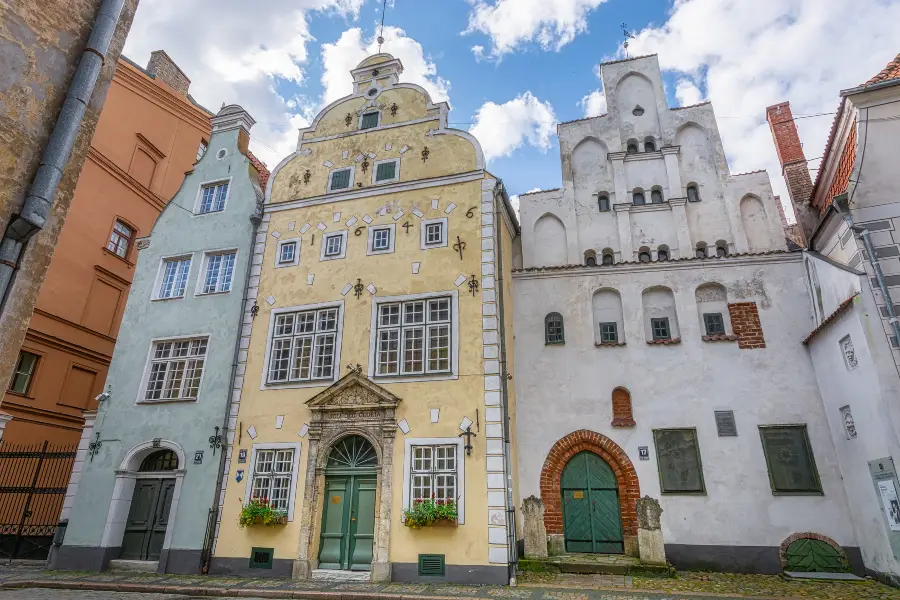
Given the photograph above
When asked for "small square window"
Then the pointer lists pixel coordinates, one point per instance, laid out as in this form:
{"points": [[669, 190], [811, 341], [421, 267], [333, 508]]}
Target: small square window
{"points": [[369, 120], [434, 233], [381, 239], [386, 171], [603, 203], [333, 245], [22, 376], [288, 253], [120, 239], [715, 324], [609, 333], [340, 179], [660, 328], [554, 330], [201, 149], [789, 458]]}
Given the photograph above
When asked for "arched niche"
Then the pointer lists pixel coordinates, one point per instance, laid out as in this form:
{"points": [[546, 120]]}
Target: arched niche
{"points": [[712, 309], [589, 169], [696, 151], [606, 306], [590, 258], [549, 242], [756, 225], [622, 412], [660, 315], [636, 100]]}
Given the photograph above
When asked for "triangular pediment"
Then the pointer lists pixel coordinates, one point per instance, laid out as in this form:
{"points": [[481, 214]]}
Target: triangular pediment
{"points": [[354, 391]]}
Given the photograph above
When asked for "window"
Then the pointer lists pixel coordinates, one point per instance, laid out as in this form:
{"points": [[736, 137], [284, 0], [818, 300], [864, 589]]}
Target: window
{"points": [[700, 252], [638, 197], [369, 120], [201, 149], [644, 257], [22, 376], [603, 203], [340, 179], [721, 249], [304, 345], [176, 367], [608, 258], [386, 171], [433, 473], [120, 239], [273, 472], [662, 255], [434, 233], [678, 457], [219, 272], [287, 254], [174, 278], [660, 328], [161, 460], [656, 197], [693, 193], [334, 245], [789, 458], [413, 338], [212, 197], [632, 148], [381, 240], [591, 261], [609, 333], [649, 145], [714, 323], [553, 329]]}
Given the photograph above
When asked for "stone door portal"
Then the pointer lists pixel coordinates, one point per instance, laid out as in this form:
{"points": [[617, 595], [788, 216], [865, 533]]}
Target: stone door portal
{"points": [[592, 519]]}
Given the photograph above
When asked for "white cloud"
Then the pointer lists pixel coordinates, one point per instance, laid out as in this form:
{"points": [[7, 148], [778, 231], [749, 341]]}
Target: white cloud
{"points": [[478, 51], [235, 52], [749, 54], [512, 23], [687, 92], [503, 128], [594, 104], [342, 56]]}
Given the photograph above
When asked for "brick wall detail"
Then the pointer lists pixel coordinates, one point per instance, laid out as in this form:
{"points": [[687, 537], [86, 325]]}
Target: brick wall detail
{"points": [[591, 441], [167, 71], [746, 325], [621, 408]]}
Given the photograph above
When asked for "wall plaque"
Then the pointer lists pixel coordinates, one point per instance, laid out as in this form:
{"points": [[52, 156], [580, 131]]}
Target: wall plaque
{"points": [[198, 457], [725, 423], [644, 452], [242, 456]]}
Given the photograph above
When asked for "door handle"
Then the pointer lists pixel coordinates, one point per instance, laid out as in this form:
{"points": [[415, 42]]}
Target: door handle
{"points": [[352, 518]]}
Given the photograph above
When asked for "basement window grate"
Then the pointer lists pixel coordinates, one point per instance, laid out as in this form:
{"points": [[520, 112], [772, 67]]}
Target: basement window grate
{"points": [[431, 565], [261, 558]]}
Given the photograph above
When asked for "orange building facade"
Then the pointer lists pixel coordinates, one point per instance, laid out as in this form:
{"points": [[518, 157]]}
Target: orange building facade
{"points": [[149, 134]]}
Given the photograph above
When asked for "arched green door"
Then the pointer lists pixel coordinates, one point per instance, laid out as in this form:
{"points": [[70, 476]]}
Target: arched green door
{"points": [[592, 519], [348, 517]]}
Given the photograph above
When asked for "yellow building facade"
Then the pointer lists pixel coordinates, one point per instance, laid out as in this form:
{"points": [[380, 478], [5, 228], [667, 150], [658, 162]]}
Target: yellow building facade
{"points": [[380, 339]]}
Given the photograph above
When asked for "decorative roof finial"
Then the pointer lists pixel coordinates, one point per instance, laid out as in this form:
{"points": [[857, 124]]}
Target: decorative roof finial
{"points": [[628, 36], [381, 35]]}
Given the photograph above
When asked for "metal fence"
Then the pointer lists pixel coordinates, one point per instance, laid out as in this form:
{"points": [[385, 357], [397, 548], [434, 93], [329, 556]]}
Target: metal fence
{"points": [[33, 481]]}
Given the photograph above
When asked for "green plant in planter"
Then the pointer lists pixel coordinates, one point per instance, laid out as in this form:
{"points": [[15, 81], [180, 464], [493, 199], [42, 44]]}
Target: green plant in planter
{"points": [[258, 511], [425, 512]]}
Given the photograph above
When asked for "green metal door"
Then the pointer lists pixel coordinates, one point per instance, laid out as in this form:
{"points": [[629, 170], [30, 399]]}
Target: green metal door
{"points": [[592, 520]]}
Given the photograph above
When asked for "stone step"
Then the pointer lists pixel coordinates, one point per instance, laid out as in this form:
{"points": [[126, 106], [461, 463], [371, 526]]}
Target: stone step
{"points": [[594, 564], [336, 575], [140, 566]]}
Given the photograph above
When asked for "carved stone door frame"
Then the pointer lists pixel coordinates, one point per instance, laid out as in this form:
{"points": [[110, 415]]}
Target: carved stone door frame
{"points": [[354, 405]]}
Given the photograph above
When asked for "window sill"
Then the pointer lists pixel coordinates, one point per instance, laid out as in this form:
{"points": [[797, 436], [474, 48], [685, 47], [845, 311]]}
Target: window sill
{"points": [[664, 342], [200, 294], [379, 252], [168, 299], [337, 257], [775, 493], [122, 258], [608, 344], [554, 343], [19, 394], [168, 401], [721, 337], [285, 265], [206, 214], [703, 493], [293, 385], [413, 378]]}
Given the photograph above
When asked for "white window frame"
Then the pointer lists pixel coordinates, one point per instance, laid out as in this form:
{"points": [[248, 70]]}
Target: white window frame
{"points": [[370, 244], [328, 234], [396, 176], [201, 277], [366, 111], [270, 336], [460, 469], [453, 295], [425, 223], [293, 263], [349, 188], [157, 284], [145, 378], [199, 198], [251, 466]]}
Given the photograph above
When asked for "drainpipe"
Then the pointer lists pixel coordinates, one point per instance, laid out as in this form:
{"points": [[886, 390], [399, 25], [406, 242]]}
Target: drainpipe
{"points": [[842, 205], [206, 555], [42, 192], [500, 196]]}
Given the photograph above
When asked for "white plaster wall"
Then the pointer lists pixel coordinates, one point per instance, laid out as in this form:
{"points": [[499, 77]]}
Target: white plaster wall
{"points": [[646, 173], [653, 227], [561, 389]]}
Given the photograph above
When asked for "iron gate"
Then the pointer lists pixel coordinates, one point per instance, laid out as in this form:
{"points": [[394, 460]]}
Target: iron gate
{"points": [[33, 481]]}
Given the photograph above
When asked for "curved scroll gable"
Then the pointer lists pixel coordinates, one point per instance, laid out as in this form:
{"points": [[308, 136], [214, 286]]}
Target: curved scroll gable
{"points": [[479, 154]]}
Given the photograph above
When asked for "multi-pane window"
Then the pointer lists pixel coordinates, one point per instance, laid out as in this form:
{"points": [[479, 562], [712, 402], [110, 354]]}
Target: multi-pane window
{"points": [[212, 197], [678, 457], [340, 179], [660, 328], [201, 149], [174, 277], [287, 253], [369, 120], [386, 171], [433, 473], [272, 474], [25, 367], [714, 323], [603, 203], [609, 333], [381, 239], [176, 367], [789, 457], [120, 239], [333, 244], [303, 346], [434, 233], [413, 338], [219, 273], [553, 329]]}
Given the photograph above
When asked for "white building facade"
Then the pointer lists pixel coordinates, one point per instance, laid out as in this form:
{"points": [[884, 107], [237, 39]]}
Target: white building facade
{"points": [[659, 320]]}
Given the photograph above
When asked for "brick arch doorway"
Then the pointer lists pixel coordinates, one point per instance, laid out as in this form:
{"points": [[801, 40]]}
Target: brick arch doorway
{"points": [[628, 488]]}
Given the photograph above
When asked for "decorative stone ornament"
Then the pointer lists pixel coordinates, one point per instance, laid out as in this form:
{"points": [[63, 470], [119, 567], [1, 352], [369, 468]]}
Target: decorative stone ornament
{"points": [[348, 119], [425, 153], [306, 177], [143, 244], [394, 109], [650, 539], [535, 532]]}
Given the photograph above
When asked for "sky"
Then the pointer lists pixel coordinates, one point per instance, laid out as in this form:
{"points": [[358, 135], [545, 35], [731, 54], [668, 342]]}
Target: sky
{"points": [[512, 69]]}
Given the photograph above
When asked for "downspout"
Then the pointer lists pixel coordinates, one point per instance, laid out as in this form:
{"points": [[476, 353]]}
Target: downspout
{"points": [[42, 192], [511, 538], [206, 555]]}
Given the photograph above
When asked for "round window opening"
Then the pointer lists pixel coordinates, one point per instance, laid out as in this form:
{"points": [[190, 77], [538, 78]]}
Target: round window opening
{"points": [[372, 92], [638, 110], [221, 153]]}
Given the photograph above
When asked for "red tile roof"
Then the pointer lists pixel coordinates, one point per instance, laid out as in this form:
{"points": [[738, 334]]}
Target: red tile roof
{"points": [[261, 168], [890, 71], [827, 320]]}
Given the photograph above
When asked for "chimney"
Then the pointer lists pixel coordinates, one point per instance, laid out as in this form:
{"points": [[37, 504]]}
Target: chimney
{"points": [[793, 165], [792, 230], [164, 68]]}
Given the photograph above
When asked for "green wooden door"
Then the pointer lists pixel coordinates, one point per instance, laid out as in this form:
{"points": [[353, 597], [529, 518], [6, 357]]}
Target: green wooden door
{"points": [[592, 520], [335, 518], [362, 523]]}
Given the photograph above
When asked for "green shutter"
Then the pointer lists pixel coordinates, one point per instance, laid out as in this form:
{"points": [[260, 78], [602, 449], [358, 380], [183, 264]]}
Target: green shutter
{"points": [[386, 170], [261, 558], [431, 565], [678, 458], [340, 179], [369, 120]]}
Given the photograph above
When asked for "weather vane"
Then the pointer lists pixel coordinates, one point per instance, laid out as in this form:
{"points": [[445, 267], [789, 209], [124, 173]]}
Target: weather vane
{"points": [[381, 35], [628, 36]]}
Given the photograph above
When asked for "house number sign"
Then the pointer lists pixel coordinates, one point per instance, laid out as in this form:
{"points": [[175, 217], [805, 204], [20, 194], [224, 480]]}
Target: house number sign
{"points": [[644, 452], [198, 457], [242, 456]]}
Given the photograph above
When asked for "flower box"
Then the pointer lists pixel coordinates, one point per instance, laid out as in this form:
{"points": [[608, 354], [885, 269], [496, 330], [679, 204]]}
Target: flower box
{"points": [[259, 512], [432, 513]]}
